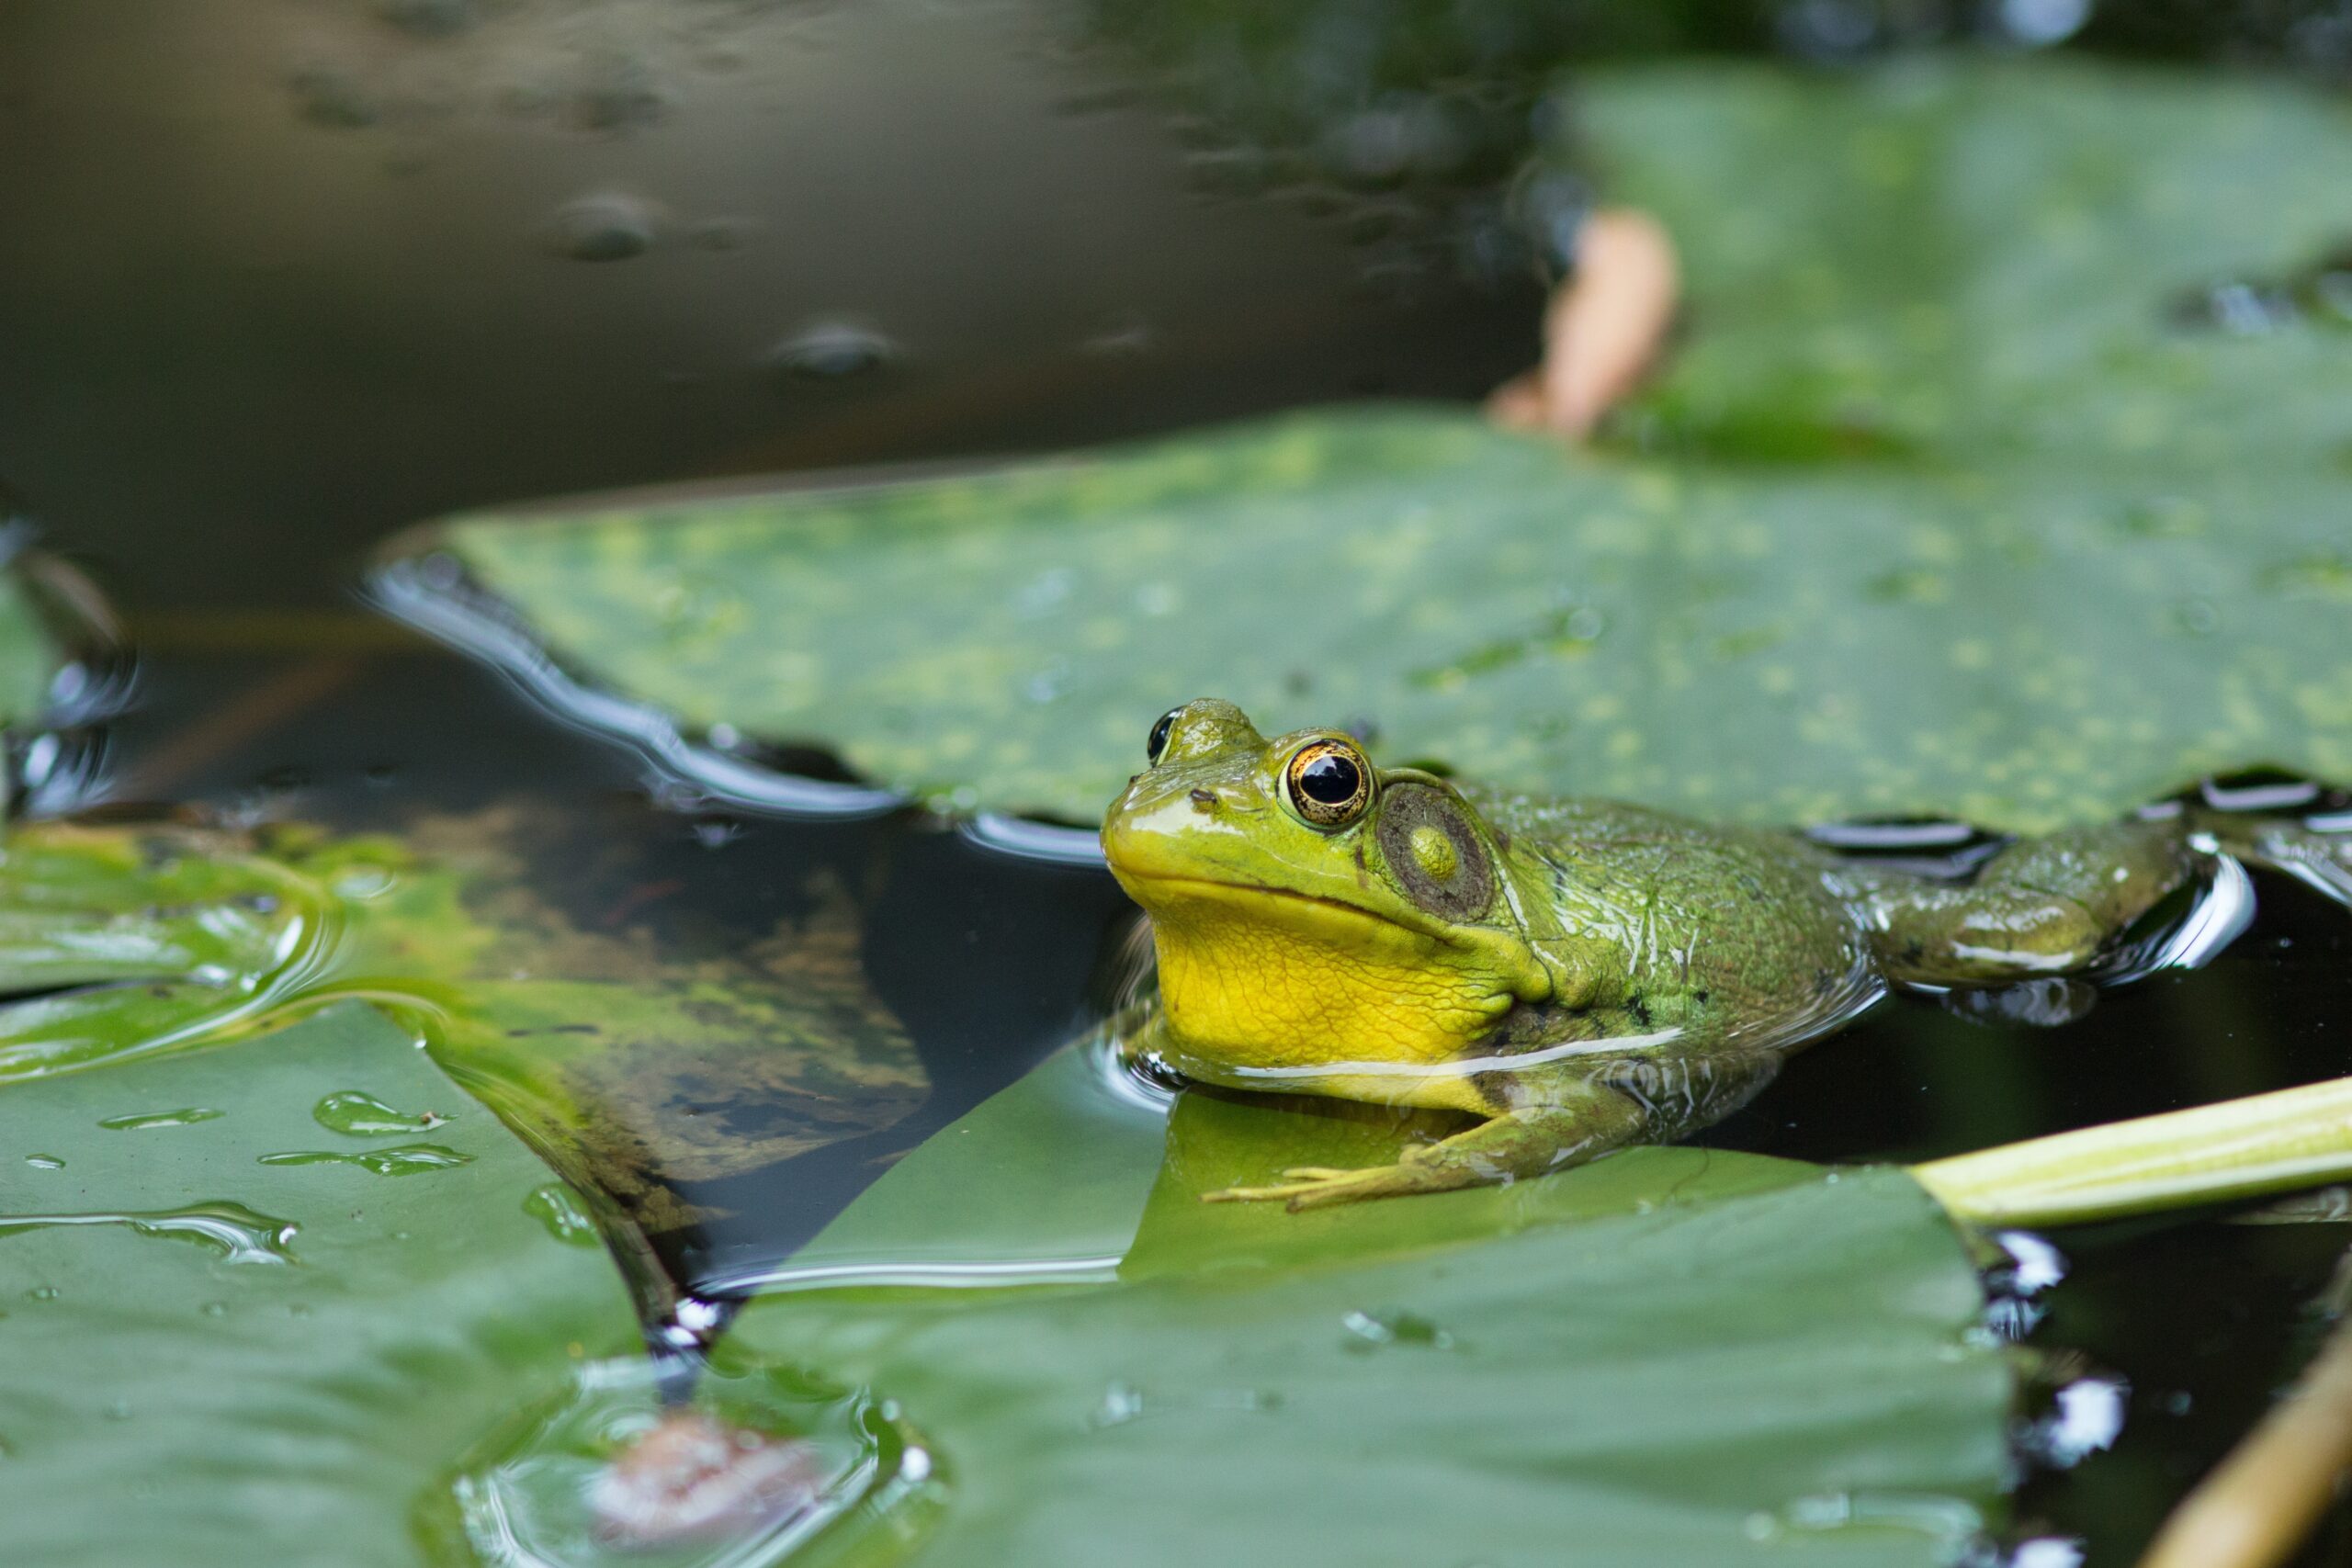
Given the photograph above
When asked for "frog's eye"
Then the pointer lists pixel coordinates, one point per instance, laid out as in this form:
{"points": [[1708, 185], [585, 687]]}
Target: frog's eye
{"points": [[1329, 783], [1159, 741]]}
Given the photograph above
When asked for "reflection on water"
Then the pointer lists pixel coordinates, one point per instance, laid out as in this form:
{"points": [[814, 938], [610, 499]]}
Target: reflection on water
{"points": [[2218, 908], [1104, 1123], [431, 595], [2087, 1417]]}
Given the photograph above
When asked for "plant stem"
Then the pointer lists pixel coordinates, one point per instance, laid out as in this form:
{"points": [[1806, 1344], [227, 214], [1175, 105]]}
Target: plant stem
{"points": [[2238, 1148]]}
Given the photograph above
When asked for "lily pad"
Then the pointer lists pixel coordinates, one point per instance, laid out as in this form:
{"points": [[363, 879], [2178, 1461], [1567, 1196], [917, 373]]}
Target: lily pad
{"points": [[255, 1359], [1951, 506], [1674, 1356]]}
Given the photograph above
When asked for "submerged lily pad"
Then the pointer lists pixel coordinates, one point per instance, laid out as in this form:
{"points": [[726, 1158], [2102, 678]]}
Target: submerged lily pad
{"points": [[1947, 509], [1674, 1356], [252, 1359], [632, 1063]]}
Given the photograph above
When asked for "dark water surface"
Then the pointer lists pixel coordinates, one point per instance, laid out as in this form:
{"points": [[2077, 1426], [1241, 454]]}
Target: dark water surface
{"points": [[278, 276]]}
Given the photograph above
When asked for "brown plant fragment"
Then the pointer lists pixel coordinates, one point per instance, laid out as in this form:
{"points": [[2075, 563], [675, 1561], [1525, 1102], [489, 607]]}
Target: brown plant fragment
{"points": [[1602, 331], [693, 1476]]}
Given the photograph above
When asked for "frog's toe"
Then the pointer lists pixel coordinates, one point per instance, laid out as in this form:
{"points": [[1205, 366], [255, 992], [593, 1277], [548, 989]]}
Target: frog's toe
{"points": [[1295, 1180], [1355, 1186], [1248, 1194], [1320, 1186]]}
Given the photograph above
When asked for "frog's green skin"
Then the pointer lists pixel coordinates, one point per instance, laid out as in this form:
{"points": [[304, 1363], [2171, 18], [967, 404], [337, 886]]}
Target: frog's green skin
{"points": [[1582, 975]]}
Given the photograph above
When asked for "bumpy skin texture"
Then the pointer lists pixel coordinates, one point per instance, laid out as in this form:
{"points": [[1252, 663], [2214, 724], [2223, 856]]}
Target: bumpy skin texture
{"points": [[1582, 975]]}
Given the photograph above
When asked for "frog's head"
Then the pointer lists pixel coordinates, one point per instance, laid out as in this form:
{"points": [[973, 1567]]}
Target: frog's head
{"points": [[1309, 908]]}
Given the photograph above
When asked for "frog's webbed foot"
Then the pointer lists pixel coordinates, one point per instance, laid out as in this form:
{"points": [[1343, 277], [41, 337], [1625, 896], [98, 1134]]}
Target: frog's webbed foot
{"points": [[1321, 1186]]}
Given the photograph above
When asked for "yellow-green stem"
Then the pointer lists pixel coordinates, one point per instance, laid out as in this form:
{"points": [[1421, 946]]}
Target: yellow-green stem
{"points": [[2238, 1148]]}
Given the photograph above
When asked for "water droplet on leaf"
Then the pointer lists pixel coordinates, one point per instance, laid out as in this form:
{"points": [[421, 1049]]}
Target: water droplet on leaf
{"points": [[141, 1122], [363, 1116], [1122, 1402], [557, 1207], [1394, 1328], [240, 1235], [403, 1160]]}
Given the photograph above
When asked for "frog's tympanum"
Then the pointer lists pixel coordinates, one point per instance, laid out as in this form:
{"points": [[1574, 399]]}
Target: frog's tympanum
{"points": [[1579, 975]]}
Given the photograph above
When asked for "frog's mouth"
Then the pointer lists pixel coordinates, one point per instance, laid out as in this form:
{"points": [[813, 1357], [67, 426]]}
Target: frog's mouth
{"points": [[1157, 890]]}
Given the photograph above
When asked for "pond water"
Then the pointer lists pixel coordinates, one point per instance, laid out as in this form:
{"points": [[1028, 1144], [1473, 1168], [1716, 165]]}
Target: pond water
{"points": [[280, 276]]}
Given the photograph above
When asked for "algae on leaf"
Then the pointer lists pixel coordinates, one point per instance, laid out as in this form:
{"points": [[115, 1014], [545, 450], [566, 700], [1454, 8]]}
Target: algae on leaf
{"points": [[288, 1387], [1950, 506]]}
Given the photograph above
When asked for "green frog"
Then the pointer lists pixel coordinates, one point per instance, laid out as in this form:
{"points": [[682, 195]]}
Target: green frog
{"points": [[1577, 974]]}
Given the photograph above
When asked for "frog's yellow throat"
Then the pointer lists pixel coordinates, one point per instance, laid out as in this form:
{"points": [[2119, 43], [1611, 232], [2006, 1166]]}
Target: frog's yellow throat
{"points": [[1258, 983]]}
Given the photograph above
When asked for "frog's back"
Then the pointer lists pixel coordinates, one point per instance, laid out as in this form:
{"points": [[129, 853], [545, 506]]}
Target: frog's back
{"points": [[1721, 935]]}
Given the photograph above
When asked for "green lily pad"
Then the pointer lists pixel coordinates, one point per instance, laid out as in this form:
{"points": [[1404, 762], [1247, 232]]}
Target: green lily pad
{"points": [[1673, 1356], [254, 1359], [1951, 505]]}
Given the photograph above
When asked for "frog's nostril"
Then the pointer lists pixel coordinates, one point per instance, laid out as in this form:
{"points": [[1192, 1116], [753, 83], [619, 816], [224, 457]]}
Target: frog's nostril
{"points": [[1204, 800]]}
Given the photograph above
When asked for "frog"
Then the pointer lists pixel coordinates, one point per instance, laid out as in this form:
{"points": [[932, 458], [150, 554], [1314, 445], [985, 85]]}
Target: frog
{"points": [[1575, 975]]}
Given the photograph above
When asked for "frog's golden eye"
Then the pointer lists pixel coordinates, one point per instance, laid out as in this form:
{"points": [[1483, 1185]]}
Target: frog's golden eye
{"points": [[1329, 783], [1159, 741]]}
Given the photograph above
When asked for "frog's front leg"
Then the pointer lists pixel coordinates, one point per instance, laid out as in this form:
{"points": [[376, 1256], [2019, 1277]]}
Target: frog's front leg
{"points": [[2040, 907], [1534, 1140]]}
